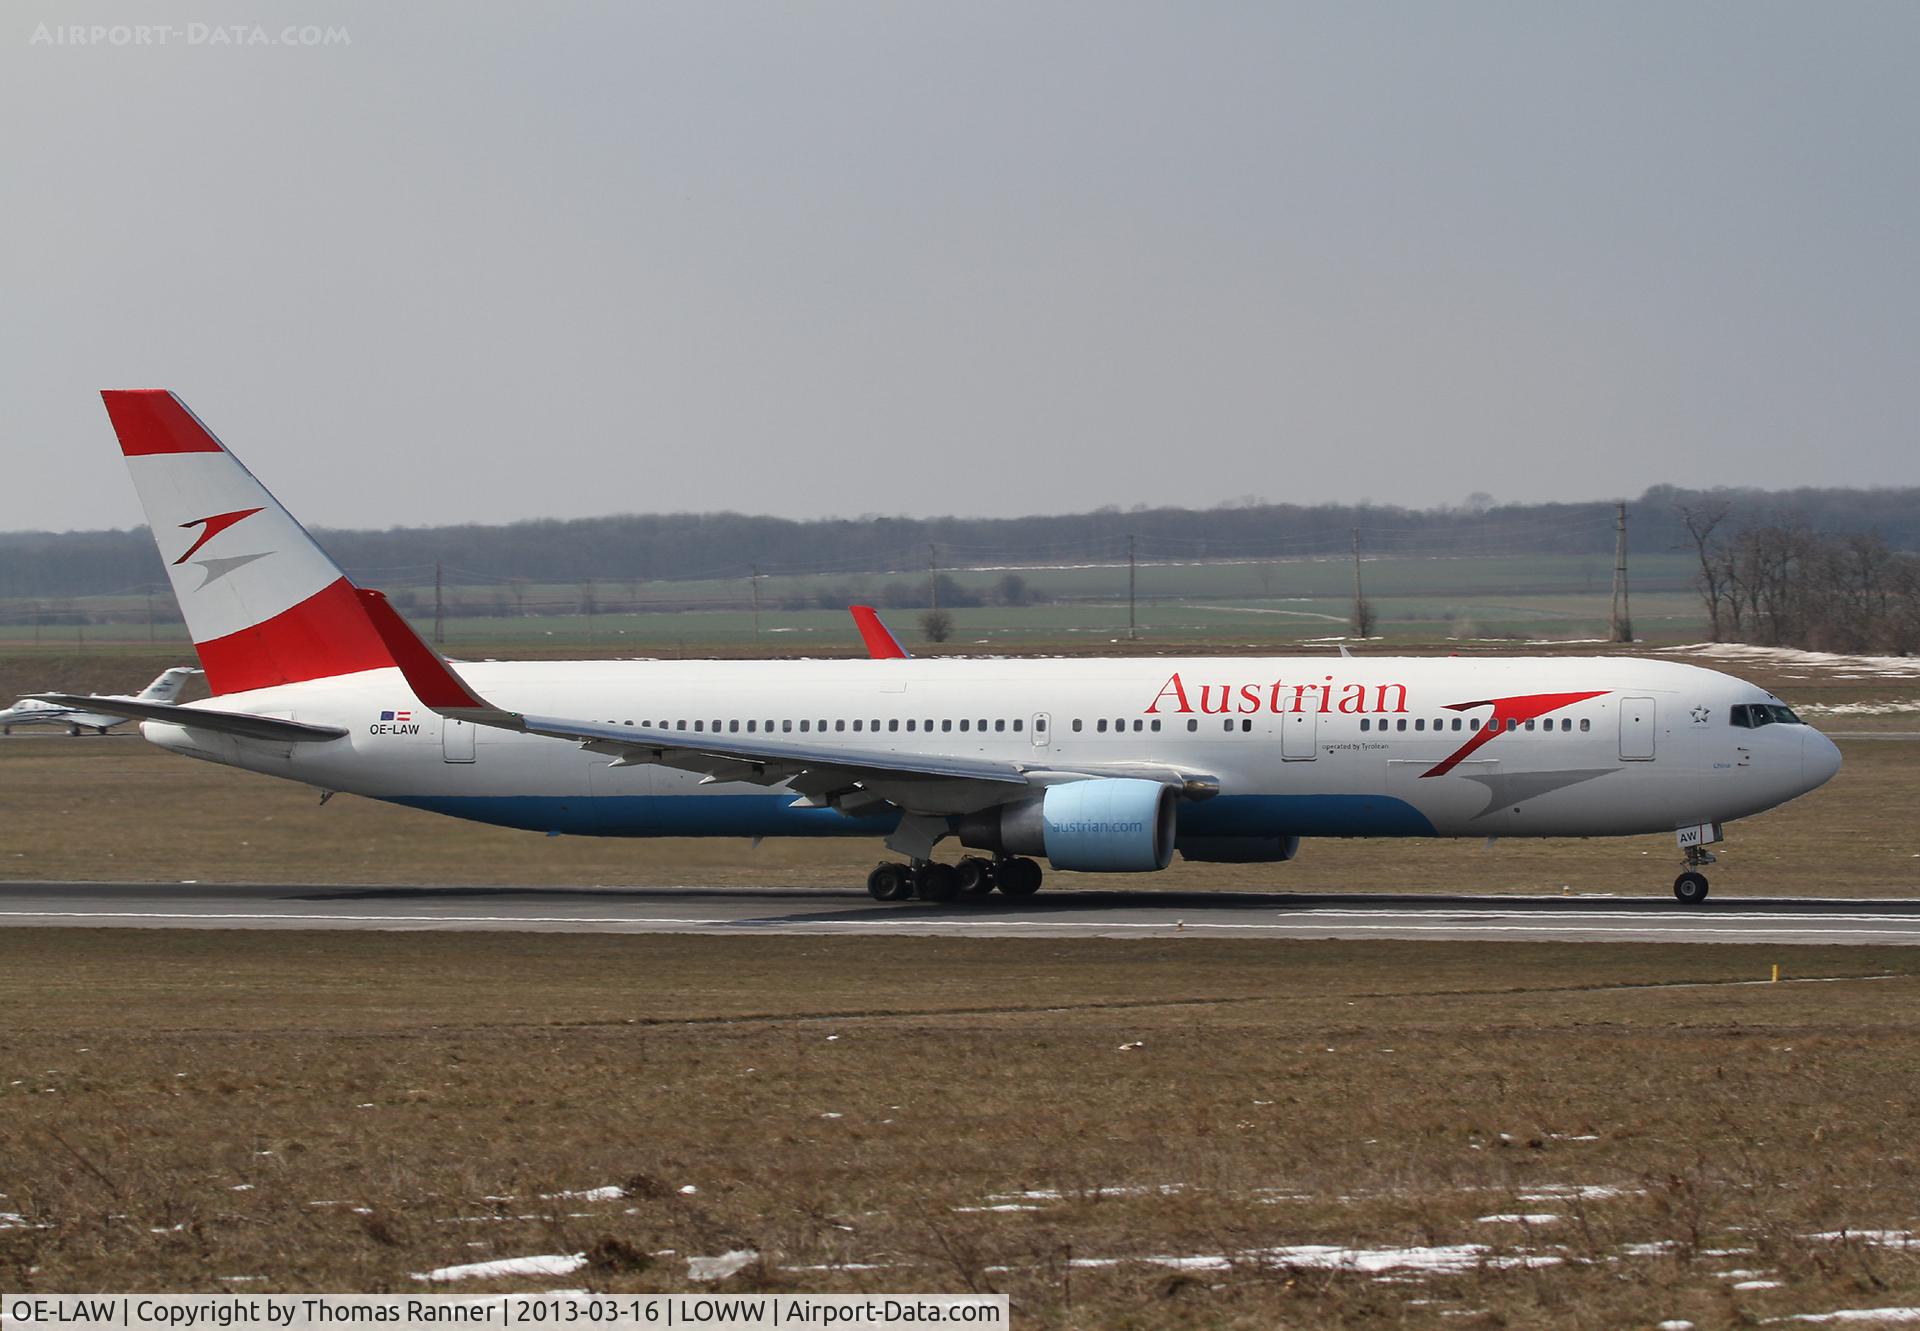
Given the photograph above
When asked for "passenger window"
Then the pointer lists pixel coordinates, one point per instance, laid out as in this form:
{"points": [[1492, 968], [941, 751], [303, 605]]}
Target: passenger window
{"points": [[733, 727], [1192, 725], [983, 724], [946, 724], [910, 724], [1566, 724], [1076, 725], [856, 723], [837, 725], [1420, 723], [963, 723], [1037, 725], [1473, 723], [679, 725], [1365, 725], [1585, 723], [1456, 723], [751, 725], [1101, 725], [1400, 723], [787, 726], [1229, 726], [1156, 724], [893, 725], [804, 724], [699, 725], [999, 726], [1512, 725], [1529, 725], [1138, 725], [1246, 726]]}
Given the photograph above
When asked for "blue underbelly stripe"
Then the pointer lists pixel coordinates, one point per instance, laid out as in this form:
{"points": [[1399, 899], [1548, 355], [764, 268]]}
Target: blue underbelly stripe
{"points": [[775, 815]]}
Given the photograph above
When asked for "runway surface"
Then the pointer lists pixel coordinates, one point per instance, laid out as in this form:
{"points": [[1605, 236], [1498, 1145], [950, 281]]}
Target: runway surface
{"points": [[1101, 914]]}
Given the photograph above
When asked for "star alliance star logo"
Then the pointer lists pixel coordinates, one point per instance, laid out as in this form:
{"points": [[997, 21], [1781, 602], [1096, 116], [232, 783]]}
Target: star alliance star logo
{"points": [[1700, 715]]}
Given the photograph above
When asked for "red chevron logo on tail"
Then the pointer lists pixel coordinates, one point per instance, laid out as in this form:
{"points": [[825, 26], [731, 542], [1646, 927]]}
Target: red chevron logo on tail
{"points": [[212, 527]]}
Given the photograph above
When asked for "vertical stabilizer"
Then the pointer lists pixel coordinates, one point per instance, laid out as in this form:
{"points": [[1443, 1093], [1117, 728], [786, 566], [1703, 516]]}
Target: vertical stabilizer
{"points": [[263, 603]]}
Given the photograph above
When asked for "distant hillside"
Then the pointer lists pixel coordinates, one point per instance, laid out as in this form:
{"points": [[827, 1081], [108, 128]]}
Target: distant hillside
{"points": [[652, 547]]}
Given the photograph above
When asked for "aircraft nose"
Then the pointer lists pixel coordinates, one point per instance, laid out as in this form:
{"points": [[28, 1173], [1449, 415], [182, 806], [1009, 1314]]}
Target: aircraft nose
{"points": [[1819, 758]]}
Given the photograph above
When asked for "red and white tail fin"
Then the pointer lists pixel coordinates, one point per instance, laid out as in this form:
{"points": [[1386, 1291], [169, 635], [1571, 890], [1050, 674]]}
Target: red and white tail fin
{"points": [[264, 604]]}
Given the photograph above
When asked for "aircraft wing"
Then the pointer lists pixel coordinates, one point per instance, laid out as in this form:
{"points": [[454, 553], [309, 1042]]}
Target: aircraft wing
{"points": [[853, 780], [243, 724]]}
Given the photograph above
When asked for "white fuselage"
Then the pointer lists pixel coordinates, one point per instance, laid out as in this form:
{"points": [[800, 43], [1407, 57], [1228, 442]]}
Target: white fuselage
{"points": [[1300, 746]]}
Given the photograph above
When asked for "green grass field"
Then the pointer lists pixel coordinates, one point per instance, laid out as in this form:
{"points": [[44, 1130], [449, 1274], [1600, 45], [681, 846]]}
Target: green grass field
{"points": [[1257, 606]]}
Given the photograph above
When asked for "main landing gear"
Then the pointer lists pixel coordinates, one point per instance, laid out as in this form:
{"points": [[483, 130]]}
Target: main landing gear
{"points": [[972, 878], [1690, 888]]}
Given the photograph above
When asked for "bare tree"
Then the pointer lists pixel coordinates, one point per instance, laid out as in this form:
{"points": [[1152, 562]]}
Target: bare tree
{"points": [[1702, 520]]}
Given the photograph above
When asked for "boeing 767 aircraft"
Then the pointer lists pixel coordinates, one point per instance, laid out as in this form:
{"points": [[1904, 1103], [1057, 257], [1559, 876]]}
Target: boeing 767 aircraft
{"points": [[1104, 766]]}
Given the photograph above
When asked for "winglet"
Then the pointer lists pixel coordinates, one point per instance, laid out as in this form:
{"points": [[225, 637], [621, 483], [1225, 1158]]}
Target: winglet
{"points": [[432, 680], [881, 644]]}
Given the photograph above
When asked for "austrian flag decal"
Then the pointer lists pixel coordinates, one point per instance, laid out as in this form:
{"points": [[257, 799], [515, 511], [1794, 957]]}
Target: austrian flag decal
{"points": [[394, 723]]}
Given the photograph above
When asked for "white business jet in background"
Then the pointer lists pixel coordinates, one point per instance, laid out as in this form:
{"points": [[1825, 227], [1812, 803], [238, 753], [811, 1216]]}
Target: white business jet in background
{"points": [[37, 712]]}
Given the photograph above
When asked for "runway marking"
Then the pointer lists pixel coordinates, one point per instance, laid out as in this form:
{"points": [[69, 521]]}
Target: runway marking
{"points": [[1759, 930]]}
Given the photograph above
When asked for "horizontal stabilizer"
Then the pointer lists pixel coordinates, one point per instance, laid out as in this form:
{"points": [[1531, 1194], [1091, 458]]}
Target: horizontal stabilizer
{"points": [[199, 718]]}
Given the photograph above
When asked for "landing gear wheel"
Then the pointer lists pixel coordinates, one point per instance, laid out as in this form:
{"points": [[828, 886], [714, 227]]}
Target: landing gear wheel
{"points": [[936, 882], [73, 730], [1690, 888], [890, 882], [976, 876], [1017, 878]]}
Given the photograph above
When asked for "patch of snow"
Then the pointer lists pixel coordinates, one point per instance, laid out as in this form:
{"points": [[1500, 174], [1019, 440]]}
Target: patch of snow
{"points": [[1586, 1192], [1892, 1238], [999, 1206], [1449, 1259], [1546, 1219], [1858, 708], [1856, 1315], [1740, 651], [1759, 1284], [719, 1268], [688, 1191], [1673, 1324], [606, 1194], [553, 1264]]}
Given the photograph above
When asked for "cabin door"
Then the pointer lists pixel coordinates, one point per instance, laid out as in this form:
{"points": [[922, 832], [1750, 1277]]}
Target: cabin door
{"points": [[456, 741], [1299, 736], [1636, 729]]}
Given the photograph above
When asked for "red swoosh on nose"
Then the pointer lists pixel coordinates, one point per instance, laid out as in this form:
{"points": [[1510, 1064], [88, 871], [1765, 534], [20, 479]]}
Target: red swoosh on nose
{"points": [[1522, 708], [212, 527]]}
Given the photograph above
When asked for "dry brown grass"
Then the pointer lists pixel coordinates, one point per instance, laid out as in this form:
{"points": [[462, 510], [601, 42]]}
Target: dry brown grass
{"points": [[175, 1108], [117, 809]]}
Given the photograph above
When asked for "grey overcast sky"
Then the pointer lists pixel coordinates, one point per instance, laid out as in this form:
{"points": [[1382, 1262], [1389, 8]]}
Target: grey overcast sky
{"points": [[490, 262]]}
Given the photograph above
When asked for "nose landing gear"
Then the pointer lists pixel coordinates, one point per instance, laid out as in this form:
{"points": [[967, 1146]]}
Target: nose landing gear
{"points": [[1690, 888]]}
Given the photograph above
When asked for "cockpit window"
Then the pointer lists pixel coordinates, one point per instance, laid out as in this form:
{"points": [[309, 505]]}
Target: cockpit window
{"points": [[1752, 715]]}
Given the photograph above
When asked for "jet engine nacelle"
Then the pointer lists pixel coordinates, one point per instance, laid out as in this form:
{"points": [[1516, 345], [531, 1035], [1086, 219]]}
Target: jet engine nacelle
{"points": [[1103, 826]]}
